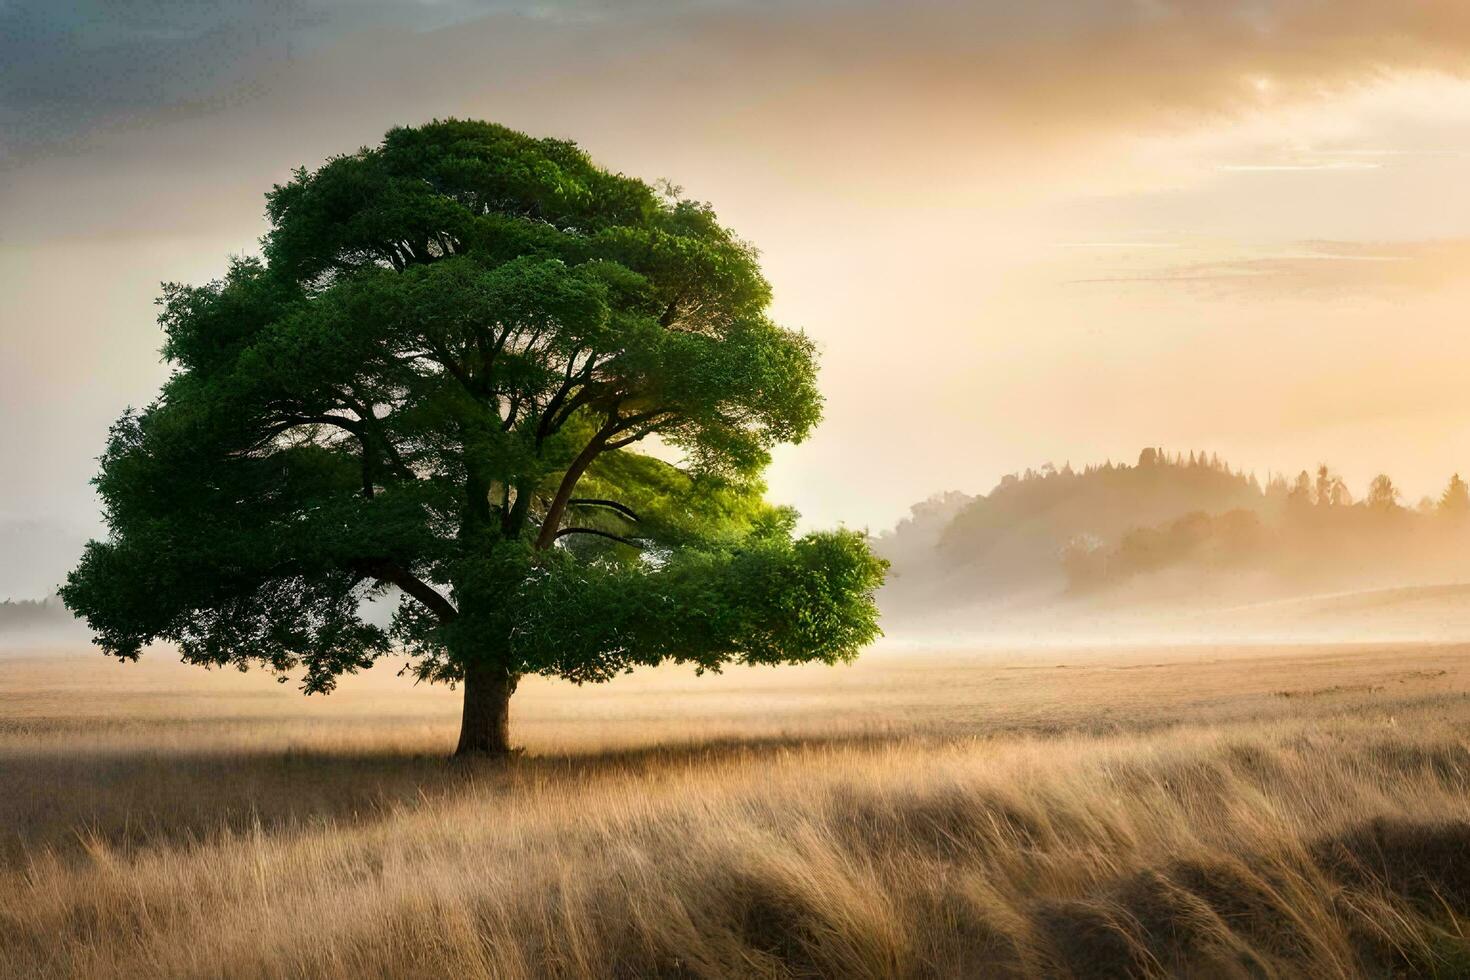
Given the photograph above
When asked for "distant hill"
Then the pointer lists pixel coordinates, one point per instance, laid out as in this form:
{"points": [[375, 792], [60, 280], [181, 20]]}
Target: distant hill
{"points": [[915, 537], [1055, 534], [1021, 527], [1013, 538]]}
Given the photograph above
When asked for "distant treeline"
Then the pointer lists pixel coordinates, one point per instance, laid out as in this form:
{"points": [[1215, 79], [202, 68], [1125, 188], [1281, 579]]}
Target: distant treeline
{"points": [[18, 615], [1110, 522]]}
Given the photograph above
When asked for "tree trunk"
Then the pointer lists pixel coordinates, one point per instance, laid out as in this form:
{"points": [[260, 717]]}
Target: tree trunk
{"points": [[485, 729]]}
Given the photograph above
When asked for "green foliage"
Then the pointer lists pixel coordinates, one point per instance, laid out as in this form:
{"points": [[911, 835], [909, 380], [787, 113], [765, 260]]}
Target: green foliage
{"points": [[433, 382], [768, 599]]}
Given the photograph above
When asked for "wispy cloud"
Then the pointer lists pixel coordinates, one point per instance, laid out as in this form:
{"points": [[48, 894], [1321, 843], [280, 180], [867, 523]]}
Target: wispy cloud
{"points": [[1315, 267], [1118, 245], [1401, 153], [1252, 168]]}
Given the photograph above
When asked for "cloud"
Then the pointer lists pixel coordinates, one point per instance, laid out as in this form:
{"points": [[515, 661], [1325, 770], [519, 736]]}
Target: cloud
{"points": [[1317, 268], [1258, 168], [898, 163], [109, 103], [71, 65]]}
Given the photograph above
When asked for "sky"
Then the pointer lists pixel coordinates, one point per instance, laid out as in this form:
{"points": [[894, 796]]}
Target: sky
{"points": [[1019, 233]]}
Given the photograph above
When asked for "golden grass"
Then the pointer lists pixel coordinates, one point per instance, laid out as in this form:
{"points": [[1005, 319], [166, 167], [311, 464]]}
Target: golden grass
{"points": [[1178, 811]]}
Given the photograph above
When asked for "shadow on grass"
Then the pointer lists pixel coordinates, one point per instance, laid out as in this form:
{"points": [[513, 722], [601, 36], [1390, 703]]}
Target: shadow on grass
{"points": [[146, 794], [136, 798]]}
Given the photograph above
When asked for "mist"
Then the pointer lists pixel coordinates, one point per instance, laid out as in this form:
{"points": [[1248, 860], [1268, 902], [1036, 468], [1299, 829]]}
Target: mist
{"points": [[1179, 548]]}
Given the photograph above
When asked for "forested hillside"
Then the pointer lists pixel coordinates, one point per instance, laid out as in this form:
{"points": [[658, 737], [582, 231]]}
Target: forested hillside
{"points": [[1058, 533]]}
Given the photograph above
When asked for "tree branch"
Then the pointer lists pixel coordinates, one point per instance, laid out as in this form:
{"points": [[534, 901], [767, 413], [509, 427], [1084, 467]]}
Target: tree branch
{"points": [[395, 574], [629, 440], [601, 534], [455, 369], [623, 509], [569, 483], [512, 520], [287, 422], [624, 424], [370, 422], [556, 399], [560, 408]]}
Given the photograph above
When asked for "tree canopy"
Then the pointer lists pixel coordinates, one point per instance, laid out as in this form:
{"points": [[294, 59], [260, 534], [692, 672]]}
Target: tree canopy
{"points": [[529, 397]]}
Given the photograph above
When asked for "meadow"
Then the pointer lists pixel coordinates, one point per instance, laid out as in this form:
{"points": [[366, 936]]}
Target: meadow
{"points": [[1182, 810]]}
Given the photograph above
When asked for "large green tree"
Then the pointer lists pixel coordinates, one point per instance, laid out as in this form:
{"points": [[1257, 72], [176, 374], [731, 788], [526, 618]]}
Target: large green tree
{"points": [[431, 386]]}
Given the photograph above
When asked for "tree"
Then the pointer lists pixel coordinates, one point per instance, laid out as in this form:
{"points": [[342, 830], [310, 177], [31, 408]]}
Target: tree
{"points": [[1331, 490], [1455, 501], [1301, 493], [1382, 494], [430, 387]]}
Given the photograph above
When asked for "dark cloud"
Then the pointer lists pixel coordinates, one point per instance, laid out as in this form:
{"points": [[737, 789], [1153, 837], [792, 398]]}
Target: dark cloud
{"points": [[67, 65], [72, 64], [773, 90]]}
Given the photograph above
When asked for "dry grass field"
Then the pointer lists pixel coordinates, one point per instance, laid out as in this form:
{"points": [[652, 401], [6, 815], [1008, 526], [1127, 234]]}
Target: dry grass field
{"points": [[1192, 811]]}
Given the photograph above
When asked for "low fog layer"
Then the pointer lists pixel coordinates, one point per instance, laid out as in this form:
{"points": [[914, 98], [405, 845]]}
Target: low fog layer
{"points": [[1176, 547]]}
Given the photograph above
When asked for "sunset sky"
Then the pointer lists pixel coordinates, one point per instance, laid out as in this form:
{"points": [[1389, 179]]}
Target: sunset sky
{"points": [[1019, 232]]}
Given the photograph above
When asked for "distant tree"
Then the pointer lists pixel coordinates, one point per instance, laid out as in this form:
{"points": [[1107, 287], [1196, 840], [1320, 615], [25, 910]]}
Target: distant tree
{"points": [[433, 383], [1455, 501], [19, 614], [919, 533], [1382, 494], [1301, 493], [1149, 457], [939, 506], [1331, 490]]}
